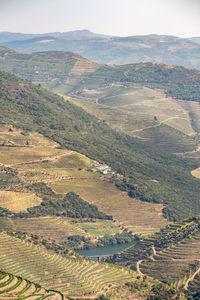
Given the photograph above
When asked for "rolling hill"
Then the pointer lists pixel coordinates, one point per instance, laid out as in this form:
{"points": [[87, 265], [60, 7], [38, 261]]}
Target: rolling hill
{"points": [[109, 49]]}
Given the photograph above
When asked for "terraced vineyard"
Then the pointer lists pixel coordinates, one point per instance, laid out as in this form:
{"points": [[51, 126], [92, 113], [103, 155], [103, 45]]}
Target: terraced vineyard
{"points": [[71, 276], [171, 255], [50, 227], [15, 287]]}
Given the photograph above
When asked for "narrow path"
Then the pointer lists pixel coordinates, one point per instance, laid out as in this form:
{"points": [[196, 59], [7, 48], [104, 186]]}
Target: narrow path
{"points": [[159, 124], [154, 250], [12, 223], [190, 152], [191, 278], [138, 267], [154, 253]]}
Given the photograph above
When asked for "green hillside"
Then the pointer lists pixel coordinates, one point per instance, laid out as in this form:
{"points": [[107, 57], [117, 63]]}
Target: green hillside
{"points": [[144, 168]]}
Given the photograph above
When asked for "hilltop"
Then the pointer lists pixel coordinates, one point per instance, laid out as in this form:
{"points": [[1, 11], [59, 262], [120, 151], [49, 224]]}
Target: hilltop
{"points": [[111, 49]]}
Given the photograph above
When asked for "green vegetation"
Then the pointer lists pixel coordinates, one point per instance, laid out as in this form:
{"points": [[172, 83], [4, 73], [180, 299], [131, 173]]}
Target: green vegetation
{"points": [[71, 205], [82, 242], [33, 108], [5, 212], [118, 238], [8, 177]]}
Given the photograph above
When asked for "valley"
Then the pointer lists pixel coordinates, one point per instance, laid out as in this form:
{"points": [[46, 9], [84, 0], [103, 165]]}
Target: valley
{"points": [[138, 122]]}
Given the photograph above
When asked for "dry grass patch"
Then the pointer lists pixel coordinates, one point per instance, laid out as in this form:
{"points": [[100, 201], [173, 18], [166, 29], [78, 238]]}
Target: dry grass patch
{"points": [[196, 173], [99, 228], [20, 155], [15, 136], [42, 157], [18, 202], [140, 217]]}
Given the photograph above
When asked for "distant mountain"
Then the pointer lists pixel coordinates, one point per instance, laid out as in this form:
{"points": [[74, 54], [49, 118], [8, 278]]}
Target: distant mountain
{"points": [[111, 50], [11, 36], [195, 40]]}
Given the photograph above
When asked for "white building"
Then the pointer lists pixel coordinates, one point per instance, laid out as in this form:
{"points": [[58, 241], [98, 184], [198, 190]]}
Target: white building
{"points": [[104, 169]]}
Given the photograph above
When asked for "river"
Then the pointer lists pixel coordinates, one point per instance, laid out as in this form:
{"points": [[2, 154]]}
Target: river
{"points": [[104, 251]]}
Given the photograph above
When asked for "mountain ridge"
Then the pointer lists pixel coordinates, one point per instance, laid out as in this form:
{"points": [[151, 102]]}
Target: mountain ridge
{"points": [[112, 50]]}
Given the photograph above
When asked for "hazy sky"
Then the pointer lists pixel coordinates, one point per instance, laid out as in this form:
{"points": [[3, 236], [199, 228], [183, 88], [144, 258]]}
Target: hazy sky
{"points": [[116, 17]]}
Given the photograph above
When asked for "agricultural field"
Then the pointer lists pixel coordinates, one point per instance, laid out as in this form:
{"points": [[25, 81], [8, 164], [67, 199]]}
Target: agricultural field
{"points": [[98, 228], [15, 156], [67, 171], [53, 228], [72, 276], [12, 136], [151, 127], [21, 149], [128, 211], [147, 103], [18, 202], [40, 159]]}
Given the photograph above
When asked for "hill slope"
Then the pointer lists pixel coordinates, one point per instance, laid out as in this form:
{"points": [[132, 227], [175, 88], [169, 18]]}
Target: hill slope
{"points": [[74, 277], [33, 108], [70, 73]]}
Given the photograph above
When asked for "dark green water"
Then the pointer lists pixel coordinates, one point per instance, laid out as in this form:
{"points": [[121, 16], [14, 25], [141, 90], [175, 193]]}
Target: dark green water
{"points": [[107, 250]]}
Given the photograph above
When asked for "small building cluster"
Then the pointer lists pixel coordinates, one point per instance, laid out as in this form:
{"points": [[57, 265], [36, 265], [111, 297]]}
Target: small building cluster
{"points": [[104, 169]]}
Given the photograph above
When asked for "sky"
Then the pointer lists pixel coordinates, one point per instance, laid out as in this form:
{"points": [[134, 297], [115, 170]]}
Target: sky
{"points": [[112, 17]]}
